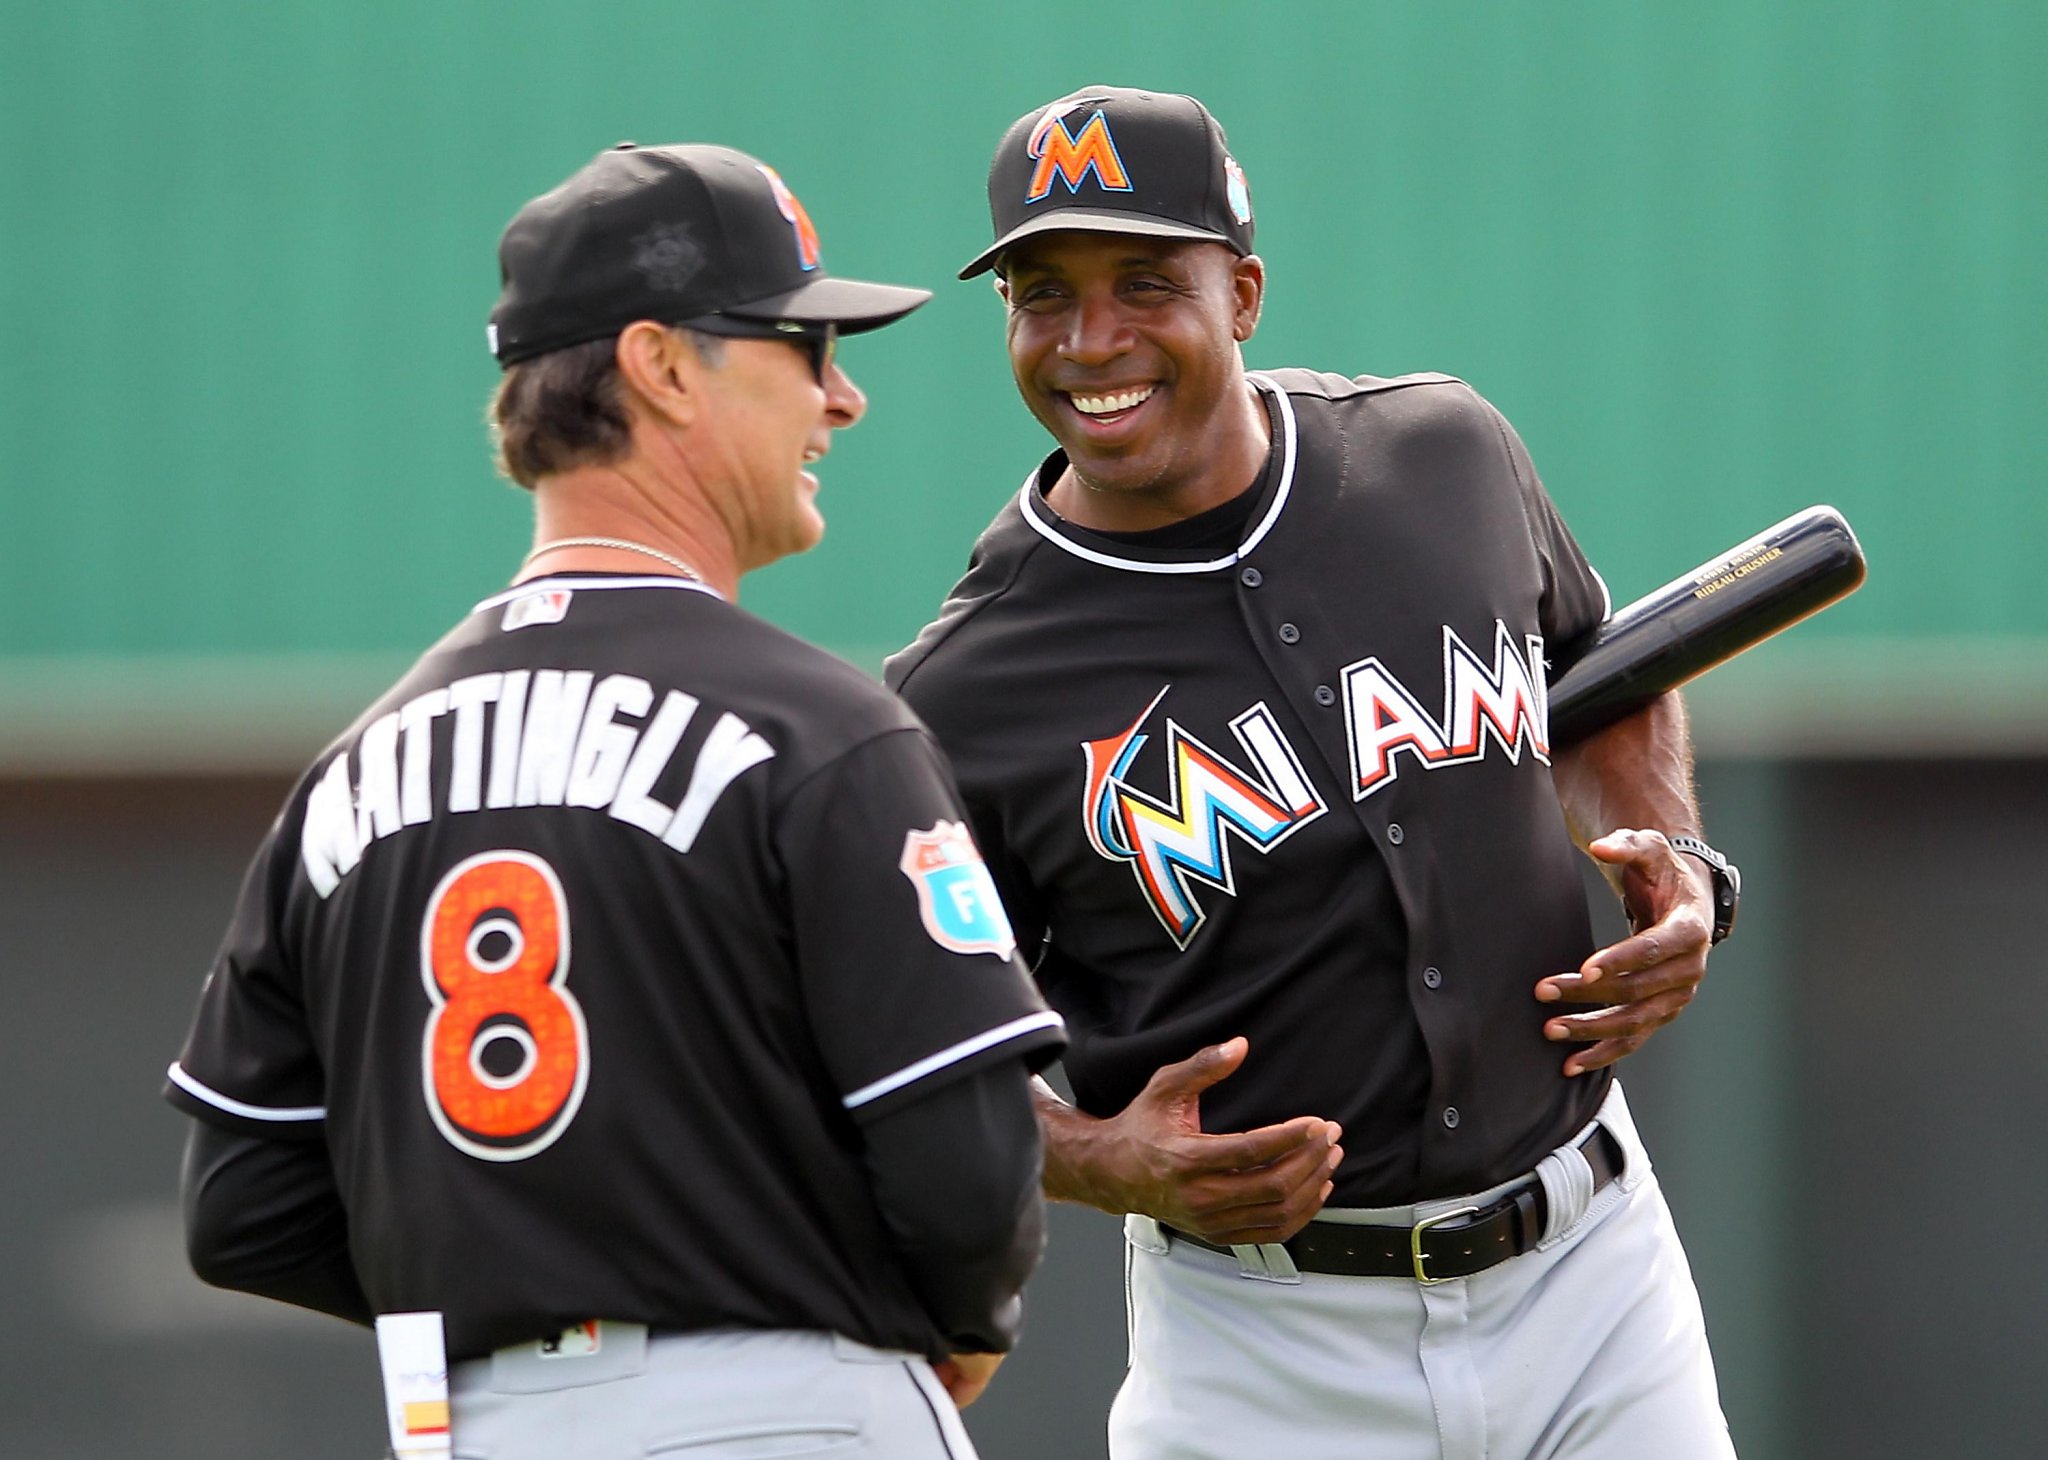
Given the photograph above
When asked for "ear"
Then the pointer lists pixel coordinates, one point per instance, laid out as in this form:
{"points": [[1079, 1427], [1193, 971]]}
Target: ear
{"points": [[1248, 285], [1002, 286], [659, 371]]}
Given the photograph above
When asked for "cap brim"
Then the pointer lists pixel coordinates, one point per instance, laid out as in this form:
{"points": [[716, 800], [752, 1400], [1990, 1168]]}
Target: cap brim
{"points": [[1090, 220], [852, 304]]}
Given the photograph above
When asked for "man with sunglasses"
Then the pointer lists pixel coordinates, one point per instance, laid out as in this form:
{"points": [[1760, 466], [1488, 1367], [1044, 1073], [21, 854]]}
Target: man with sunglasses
{"points": [[757, 1166]]}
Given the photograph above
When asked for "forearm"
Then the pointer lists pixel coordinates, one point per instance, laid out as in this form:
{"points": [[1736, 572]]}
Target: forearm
{"points": [[265, 1217], [1082, 1154], [956, 1176], [1635, 773]]}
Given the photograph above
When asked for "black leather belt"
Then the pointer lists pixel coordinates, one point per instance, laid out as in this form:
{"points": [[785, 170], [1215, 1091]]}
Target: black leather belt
{"points": [[1452, 1244]]}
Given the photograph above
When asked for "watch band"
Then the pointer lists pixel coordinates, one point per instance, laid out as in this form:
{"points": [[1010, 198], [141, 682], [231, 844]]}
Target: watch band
{"points": [[1727, 882]]}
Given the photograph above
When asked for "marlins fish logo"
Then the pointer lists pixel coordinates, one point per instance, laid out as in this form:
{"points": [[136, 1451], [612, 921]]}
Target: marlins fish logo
{"points": [[807, 250], [1072, 156], [1175, 842]]}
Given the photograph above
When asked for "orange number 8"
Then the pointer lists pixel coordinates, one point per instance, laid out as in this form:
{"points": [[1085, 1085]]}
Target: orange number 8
{"points": [[494, 952]]}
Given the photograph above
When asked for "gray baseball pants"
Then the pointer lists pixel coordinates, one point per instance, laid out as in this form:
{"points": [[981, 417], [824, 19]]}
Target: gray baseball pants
{"points": [[1590, 1347], [723, 1394]]}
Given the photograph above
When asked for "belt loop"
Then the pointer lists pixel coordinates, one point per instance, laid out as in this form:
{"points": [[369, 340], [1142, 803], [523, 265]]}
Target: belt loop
{"points": [[1529, 1228], [1144, 1233], [1567, 1180], [1267, 1262]]}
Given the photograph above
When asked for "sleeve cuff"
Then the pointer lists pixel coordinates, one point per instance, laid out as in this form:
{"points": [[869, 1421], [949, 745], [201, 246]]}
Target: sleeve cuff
{"points": [[1039, 1037], [195, 1097]]}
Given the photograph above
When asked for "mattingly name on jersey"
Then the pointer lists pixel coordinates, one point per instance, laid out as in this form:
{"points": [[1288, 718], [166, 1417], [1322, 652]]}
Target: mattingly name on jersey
{"points": [[547, 737]]}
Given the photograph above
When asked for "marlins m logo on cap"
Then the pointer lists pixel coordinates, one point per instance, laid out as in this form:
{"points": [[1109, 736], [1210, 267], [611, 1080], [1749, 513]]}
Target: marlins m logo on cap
{"points": [[1150, 164], [807, 249], [1062, 154]]}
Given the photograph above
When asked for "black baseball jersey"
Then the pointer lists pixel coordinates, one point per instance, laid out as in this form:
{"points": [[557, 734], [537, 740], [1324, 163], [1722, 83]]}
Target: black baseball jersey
{"points": [[1294, 785], [588, 948]]}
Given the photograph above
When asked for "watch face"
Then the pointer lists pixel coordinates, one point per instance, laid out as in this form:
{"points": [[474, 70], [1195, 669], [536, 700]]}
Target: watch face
{"points": [[1727, 894], [1727, 881]]}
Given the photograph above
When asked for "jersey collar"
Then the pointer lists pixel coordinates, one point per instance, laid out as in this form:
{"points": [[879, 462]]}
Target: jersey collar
{"points": [[555, 581], [1058, 533]]}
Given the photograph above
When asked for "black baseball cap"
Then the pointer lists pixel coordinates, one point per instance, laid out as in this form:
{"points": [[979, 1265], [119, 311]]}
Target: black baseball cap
{"points": [[1107, 159], [686, 234]]}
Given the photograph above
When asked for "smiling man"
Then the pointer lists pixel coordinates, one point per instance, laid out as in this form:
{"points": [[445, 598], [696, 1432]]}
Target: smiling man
{"points": [[1150, 442], [755, 1171], [1245, 688]]}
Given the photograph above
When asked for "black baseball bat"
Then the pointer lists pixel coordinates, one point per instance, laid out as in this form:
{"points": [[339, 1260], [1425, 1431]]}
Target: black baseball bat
{"points": [[1734, 602]]}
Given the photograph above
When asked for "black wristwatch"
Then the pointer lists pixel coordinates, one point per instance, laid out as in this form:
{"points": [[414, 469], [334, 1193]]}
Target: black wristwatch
{"points": [[1727, 882]]}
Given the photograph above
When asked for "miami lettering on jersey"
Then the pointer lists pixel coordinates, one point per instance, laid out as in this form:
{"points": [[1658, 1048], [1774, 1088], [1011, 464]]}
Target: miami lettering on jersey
{"points": [[1506, 702], [1069, 156], [956, 896], [1180, 839], [544, 737]]}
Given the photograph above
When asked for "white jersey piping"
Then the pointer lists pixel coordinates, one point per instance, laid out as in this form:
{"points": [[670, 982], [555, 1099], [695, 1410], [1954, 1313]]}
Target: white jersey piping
{"points": [[218, 1101], [932, 1063], [1027, 502], [552, 584]]}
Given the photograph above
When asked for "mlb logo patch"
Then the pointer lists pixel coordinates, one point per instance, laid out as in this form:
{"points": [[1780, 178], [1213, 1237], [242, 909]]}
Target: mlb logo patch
{"points": [[579, 1342], [956, 896], [550, 607]]}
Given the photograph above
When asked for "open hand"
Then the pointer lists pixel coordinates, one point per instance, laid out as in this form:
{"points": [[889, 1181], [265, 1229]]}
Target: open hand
{"points": [[1154, 1158]]}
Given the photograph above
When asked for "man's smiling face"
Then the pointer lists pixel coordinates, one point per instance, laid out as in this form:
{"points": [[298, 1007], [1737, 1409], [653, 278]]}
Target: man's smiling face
{"points": [[1126, 349]]}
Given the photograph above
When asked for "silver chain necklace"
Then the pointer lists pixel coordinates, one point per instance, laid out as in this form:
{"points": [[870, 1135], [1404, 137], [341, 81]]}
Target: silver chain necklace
{"points": [[619, 543]]}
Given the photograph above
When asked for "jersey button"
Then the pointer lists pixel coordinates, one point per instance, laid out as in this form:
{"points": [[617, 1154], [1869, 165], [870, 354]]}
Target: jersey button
{"points": [[1325, 696], [1289, 634], [1395, 834], [1450, 1117], [1251, 577], [1432, 978]]}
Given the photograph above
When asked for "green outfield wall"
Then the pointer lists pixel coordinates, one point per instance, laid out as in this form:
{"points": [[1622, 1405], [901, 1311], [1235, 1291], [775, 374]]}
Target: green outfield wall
{"points": [[1716, 262]]}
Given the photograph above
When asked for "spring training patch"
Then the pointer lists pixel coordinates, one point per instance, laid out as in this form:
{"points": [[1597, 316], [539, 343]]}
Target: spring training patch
{"points": [[956, 896]]}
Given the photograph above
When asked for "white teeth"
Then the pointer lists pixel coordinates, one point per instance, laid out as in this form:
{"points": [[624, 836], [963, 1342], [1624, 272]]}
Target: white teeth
{"points": [[811, 454], [1103, 405]]}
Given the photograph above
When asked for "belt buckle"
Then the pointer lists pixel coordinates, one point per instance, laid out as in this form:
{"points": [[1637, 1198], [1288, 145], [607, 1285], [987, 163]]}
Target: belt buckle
{"points": [[1415, 1252]]}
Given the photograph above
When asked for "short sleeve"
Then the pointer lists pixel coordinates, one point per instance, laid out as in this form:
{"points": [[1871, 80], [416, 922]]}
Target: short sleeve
{"points": [[906, 957], [1575, 600], [249, 1063]]}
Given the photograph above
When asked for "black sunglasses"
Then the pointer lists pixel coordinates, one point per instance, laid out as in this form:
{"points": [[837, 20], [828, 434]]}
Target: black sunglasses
{"points": [[818, 341], [823, 348]]}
